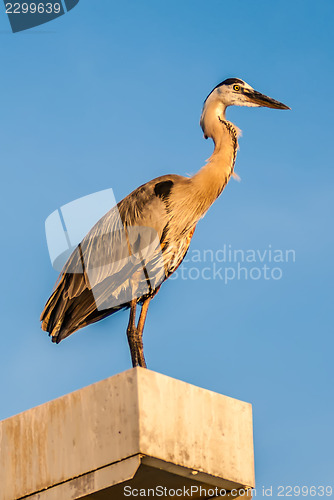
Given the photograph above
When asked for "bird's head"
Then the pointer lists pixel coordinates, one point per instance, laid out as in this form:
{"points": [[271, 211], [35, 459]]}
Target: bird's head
{"points": [[236, 92]]}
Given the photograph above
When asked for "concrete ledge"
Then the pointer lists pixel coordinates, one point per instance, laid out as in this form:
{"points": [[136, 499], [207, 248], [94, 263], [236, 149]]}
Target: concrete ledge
{"points": [[138, 429]]}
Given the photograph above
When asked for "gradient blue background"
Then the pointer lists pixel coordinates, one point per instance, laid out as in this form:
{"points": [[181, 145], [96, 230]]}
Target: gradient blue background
{"points": [[109, 95]]}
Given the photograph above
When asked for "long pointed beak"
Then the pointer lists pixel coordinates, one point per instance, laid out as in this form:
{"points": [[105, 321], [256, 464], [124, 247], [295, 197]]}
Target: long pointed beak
{"points": [[263, 100]]}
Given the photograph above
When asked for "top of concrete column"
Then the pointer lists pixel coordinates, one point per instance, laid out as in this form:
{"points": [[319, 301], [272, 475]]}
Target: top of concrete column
{"points": [[135, 414]]}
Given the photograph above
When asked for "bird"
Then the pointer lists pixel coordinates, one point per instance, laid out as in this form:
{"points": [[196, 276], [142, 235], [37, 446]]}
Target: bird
{"points": [[124, 259]]}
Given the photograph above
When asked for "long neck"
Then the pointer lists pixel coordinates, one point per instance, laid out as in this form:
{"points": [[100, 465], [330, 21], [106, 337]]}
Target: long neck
{"points": [[213, 177]]}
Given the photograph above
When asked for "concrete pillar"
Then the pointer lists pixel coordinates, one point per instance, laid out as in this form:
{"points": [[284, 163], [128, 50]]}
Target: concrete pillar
{"points": [[133, 431]]}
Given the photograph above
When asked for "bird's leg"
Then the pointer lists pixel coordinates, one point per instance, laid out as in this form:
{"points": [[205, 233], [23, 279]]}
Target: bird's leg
{"points": [[140, 328], [132, 333]]}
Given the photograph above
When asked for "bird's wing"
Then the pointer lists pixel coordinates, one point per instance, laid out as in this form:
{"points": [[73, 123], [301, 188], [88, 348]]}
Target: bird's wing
{"points": [[119, 259], [126, 255]]}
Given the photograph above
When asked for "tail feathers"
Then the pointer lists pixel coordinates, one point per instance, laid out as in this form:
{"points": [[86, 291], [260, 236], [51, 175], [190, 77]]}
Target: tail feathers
{"points": [[63, 314], [73, 304], [48, 314]]}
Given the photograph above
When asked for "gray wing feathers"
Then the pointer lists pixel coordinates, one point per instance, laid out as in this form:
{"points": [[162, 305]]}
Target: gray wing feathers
{"points": [[99, 273]]}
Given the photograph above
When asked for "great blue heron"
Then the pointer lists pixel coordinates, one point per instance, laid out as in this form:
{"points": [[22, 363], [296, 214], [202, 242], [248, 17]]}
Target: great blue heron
{"points": [[132, 249]]}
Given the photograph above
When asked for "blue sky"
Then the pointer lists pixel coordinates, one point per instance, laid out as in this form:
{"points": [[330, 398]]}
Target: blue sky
{"points": [[109, 96]]}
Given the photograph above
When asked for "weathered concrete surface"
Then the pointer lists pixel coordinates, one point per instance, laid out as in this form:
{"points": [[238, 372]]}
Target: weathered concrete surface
{"points": [[137, 428]]}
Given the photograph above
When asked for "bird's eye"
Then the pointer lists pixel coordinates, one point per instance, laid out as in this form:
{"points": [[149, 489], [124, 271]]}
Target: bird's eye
{"points": [[236, 87]]}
